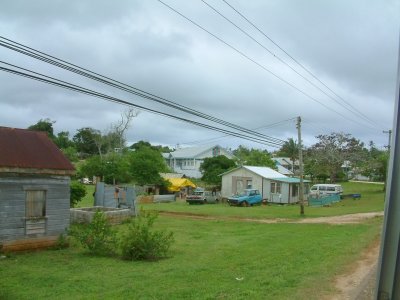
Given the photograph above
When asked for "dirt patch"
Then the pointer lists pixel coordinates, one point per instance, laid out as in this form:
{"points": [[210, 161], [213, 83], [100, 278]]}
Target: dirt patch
{"points": [[353, 283], [336, 220]]}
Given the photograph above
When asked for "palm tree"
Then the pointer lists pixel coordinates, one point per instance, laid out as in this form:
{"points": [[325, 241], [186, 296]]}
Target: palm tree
{"points": [[290, 149]]}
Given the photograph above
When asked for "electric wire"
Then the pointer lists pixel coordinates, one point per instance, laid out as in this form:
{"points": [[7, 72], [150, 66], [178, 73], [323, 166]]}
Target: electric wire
{"points": [[23, 49], [63, 84], [299, 64], [352, 110], [205, 141], [259, 64]]}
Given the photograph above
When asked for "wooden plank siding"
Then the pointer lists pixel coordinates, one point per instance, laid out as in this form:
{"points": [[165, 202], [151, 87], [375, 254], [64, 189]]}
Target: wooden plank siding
{"points": [[22, 232]]}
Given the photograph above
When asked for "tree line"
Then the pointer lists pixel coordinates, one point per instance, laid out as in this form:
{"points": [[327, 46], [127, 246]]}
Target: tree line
{"points": [[334, 157]]}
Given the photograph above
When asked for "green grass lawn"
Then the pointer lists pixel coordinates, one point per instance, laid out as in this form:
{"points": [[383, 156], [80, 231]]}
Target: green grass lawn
{"points": [[209, 260]]}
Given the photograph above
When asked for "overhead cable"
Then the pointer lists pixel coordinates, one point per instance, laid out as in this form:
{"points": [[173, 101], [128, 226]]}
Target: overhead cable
{"points": [[300, 64], [260, 65], [66, 85], [23, 49], [351, 109]]}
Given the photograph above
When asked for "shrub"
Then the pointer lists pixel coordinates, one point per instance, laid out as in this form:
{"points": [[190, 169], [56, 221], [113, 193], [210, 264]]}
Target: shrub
{"points": [[98, 236], [139, 242], [77, 192]]}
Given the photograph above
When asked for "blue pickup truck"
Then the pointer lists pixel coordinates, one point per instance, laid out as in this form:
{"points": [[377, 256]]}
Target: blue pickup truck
{"points": [[248, 197]]}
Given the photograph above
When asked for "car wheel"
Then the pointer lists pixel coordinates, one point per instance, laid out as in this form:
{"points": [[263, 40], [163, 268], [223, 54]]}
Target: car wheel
{"points": [[245, 204]]}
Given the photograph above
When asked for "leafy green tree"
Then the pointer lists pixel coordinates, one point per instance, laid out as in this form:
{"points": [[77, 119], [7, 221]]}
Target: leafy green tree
{"points": [[45, 125], [331, 151], [70, 153], [85, 139], [146, 164], [253, 157], [112, 168], [62, 140], [140, 144], [213, 167]]}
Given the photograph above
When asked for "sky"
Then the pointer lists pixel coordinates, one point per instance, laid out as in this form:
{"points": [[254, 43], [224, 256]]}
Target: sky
{"points": [[333, 63]]}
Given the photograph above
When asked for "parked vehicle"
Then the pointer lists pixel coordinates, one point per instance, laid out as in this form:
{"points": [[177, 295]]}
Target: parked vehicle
{"points": [[200, 196], [86, 181], [249, 197], [326, 189]]}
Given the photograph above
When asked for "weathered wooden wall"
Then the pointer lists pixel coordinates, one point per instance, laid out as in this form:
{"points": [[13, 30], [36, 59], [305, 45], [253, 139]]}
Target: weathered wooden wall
{"points": [[12, 209]]}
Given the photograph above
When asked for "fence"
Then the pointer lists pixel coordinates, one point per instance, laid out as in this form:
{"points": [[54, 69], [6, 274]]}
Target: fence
{"points": [[323, 200]]}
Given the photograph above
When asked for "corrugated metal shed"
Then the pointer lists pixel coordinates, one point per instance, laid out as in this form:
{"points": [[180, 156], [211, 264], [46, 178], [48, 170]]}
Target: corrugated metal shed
{"points": [[27, 149]]}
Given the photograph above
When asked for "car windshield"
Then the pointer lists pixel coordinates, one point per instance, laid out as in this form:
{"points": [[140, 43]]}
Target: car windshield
{"points": [[246, 193], [198, 193]]}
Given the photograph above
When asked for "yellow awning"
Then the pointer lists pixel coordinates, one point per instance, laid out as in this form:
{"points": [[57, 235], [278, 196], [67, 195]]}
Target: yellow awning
{"points": [[178, 183]]}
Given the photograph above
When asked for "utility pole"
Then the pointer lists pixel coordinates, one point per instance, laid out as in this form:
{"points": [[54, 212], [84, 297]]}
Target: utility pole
{"points": [[390, 138], [301, 187]]}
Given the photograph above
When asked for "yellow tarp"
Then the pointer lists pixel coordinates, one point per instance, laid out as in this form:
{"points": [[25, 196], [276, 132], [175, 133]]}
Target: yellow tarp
{"points": [[178, 183]]}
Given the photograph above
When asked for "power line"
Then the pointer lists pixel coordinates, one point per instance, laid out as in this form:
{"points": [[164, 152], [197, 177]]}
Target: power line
{"points": [[259, 64], [225, 136], [353, 109], [23, 49], [63, 84]]}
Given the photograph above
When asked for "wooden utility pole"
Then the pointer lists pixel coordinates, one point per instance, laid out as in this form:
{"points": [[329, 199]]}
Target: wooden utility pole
{"points": [[301, 187]]}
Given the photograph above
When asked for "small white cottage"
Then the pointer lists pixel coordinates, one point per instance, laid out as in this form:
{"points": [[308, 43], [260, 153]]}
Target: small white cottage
{"points": [[273, 186]]}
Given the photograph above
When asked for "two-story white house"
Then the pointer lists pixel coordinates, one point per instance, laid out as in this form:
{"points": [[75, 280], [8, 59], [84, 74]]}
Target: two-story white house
{"points": [[188, 160]]}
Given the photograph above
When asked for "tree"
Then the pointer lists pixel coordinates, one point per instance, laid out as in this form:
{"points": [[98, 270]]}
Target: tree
{"points": [[140, 144], [119, 128], [62, 140], [45, 125], [112, 168], [329, 153], [290, 149], [146, 165], [253, 157], [84, 141], [213, 167]]}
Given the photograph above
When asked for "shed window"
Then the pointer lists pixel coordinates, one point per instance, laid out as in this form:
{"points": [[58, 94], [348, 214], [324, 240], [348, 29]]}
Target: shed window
{"points": [[275, 187], [295, 190], [35, 204]]}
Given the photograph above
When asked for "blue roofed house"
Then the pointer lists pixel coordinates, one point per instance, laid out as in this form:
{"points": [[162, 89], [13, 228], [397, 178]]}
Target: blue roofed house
{"points": [[273, 186], [188, 160]]}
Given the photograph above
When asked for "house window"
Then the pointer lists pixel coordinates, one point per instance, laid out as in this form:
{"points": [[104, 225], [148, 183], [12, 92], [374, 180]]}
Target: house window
{"points": [[275, 187], [35, 204], [249, 184]]}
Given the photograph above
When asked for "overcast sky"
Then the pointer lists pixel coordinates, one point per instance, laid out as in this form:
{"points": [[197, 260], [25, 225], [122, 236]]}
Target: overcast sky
{"points": [[350, 46]]}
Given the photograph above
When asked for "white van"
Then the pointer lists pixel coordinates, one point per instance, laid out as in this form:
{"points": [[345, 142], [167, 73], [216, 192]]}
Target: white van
{"points": [[326, 189]]}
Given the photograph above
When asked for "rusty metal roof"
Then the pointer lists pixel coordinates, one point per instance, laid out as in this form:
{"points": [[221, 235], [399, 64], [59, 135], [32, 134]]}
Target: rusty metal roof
{"points": [[22, 148]]}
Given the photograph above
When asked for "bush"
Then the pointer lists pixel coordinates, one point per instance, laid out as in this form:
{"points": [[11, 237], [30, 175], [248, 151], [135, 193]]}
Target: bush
{"points": [[77, 192], [139, 242], [98, 236]]}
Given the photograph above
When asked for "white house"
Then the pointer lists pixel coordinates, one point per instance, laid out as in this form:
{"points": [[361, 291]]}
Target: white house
{"points": [[188, 160], [273, 186]]}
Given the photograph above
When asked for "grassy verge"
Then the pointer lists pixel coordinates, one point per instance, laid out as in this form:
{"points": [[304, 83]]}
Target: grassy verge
{"points": [[210, 260]]}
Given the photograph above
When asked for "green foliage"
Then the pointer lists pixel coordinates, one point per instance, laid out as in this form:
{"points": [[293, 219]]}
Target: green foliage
{"points": [[253, 157], [70, 153], [45, 125], [98, 237], [140, 242], [61, 243], [141, 144], [84, 141], [77, 192], [331, 151], [213, 167], [146, 164]]}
